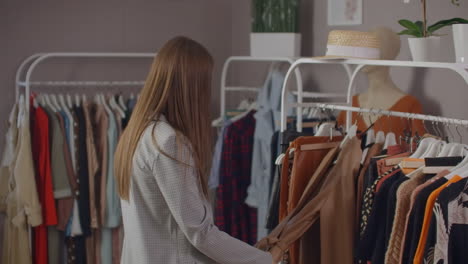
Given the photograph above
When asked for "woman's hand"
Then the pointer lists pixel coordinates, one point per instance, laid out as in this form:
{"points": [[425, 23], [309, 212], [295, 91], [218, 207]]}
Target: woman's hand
{"points": [[277, 254]]}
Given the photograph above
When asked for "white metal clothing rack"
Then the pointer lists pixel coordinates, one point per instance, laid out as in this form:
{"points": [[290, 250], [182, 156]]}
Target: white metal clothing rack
{"points": [[225, 88], [461, 69], [430, 118], [30, 64]]}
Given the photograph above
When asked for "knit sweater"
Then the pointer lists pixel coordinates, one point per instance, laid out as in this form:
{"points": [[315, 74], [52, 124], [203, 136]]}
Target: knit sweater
{"points": [[392, 256]]}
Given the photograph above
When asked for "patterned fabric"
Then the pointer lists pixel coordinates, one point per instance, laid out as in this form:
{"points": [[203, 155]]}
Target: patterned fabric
{"points": [[368, 200], [41, 157], [167, 219], [233, 215]]}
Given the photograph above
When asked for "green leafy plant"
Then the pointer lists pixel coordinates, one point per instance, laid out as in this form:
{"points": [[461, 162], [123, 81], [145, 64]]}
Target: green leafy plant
{"points": [[275, 15], [416, 29], [420, 29]]}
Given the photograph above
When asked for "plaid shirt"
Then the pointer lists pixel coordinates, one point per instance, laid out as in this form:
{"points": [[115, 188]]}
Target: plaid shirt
{"points": [[233, 215]]}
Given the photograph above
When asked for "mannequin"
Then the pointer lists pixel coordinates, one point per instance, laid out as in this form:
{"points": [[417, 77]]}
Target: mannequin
{"points": [[382, 92]]}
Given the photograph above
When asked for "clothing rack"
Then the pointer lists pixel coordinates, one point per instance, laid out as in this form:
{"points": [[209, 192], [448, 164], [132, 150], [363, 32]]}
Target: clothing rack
{"points": [[430, 118], [30, 64], [297, 73], [461, 69]]}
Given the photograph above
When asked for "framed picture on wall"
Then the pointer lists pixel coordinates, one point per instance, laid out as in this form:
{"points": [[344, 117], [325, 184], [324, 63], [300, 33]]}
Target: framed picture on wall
{"points": [[344, 12]]}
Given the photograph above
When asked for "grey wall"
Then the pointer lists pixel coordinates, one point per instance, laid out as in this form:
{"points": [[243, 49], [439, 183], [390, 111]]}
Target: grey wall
{"points": [[440, 91], [27, 27]]}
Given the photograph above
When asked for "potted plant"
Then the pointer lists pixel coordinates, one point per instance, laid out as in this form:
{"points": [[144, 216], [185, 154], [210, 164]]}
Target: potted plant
{"points": [[275, 27], [425, 42]]}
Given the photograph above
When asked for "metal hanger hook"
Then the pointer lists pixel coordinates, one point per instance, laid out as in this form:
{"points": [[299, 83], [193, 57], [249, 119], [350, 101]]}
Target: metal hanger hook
{"points": [[459, 134]]}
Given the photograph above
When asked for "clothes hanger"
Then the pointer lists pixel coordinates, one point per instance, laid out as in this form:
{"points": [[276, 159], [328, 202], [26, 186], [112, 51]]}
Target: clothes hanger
{"points": [[77, 100], [370, 139], [41, 100], [351, 133], [444, 152], [390, 139], [62, 102], [69, 101], [21, 111], [460, 169], [380, 137], [49, 103], [433, 149], [423, 147], [458, 149], [54, 101], [324, 130], [35, 102], [122, 103], [113, 104], [104, 103]]}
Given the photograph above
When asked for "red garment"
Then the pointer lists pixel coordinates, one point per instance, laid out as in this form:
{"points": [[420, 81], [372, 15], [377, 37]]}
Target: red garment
{"points": [[41, 156], [233, 215]]}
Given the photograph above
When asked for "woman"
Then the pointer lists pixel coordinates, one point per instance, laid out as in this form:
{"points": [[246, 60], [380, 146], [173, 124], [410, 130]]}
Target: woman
{"points": [[161, 163]]}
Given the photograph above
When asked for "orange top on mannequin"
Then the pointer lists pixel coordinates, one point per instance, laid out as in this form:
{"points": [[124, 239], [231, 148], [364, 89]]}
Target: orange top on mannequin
{"points": [[384, 94]]}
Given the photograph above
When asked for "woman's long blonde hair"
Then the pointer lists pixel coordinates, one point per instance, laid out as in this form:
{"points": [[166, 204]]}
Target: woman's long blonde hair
{"points": [[178, 86]]}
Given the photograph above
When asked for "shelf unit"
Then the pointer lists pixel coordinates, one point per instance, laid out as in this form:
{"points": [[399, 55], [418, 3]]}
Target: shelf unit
{"points": [[353, 68], [30, 64]]}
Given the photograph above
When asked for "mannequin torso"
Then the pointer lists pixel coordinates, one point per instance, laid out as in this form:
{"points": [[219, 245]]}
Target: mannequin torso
{"points": [[382, 92]]}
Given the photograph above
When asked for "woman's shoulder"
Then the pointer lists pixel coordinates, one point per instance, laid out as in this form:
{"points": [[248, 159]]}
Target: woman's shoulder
{"points": [[159, 130]]}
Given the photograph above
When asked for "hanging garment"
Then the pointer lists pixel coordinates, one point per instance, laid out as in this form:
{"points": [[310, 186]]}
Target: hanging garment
{"points": [[82, 172], [116, 214], [368, 202], [373, 240], [158, 194], [67, 204], [415, 220], [418, 256], [23, 208], [371, 153], [305, 163], [100, 128], [101, 125], [393, 124], [59, 172], [93, 164], [213, 180], [451, 224], [410, 216], [266, 123], [332, 206], [392, 256], [450, 211], [92, 242], [41, 156], [112, 207], [273, 204], [233, 216]]}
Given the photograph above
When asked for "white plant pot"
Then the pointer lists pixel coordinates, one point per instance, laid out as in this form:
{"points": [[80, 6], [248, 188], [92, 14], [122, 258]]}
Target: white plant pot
{"points": [[460, 40], [425, 49], [275, 44]]}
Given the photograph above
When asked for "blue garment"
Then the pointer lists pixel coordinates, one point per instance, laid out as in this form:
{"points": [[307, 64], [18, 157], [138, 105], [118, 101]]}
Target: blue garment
{"points": [[113, 211], [213, 180], [67, 126], [66, 123], [268, 119]]}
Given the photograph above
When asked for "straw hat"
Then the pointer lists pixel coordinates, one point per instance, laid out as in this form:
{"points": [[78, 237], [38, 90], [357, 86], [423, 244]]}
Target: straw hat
{"points": [[345, 44]]}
